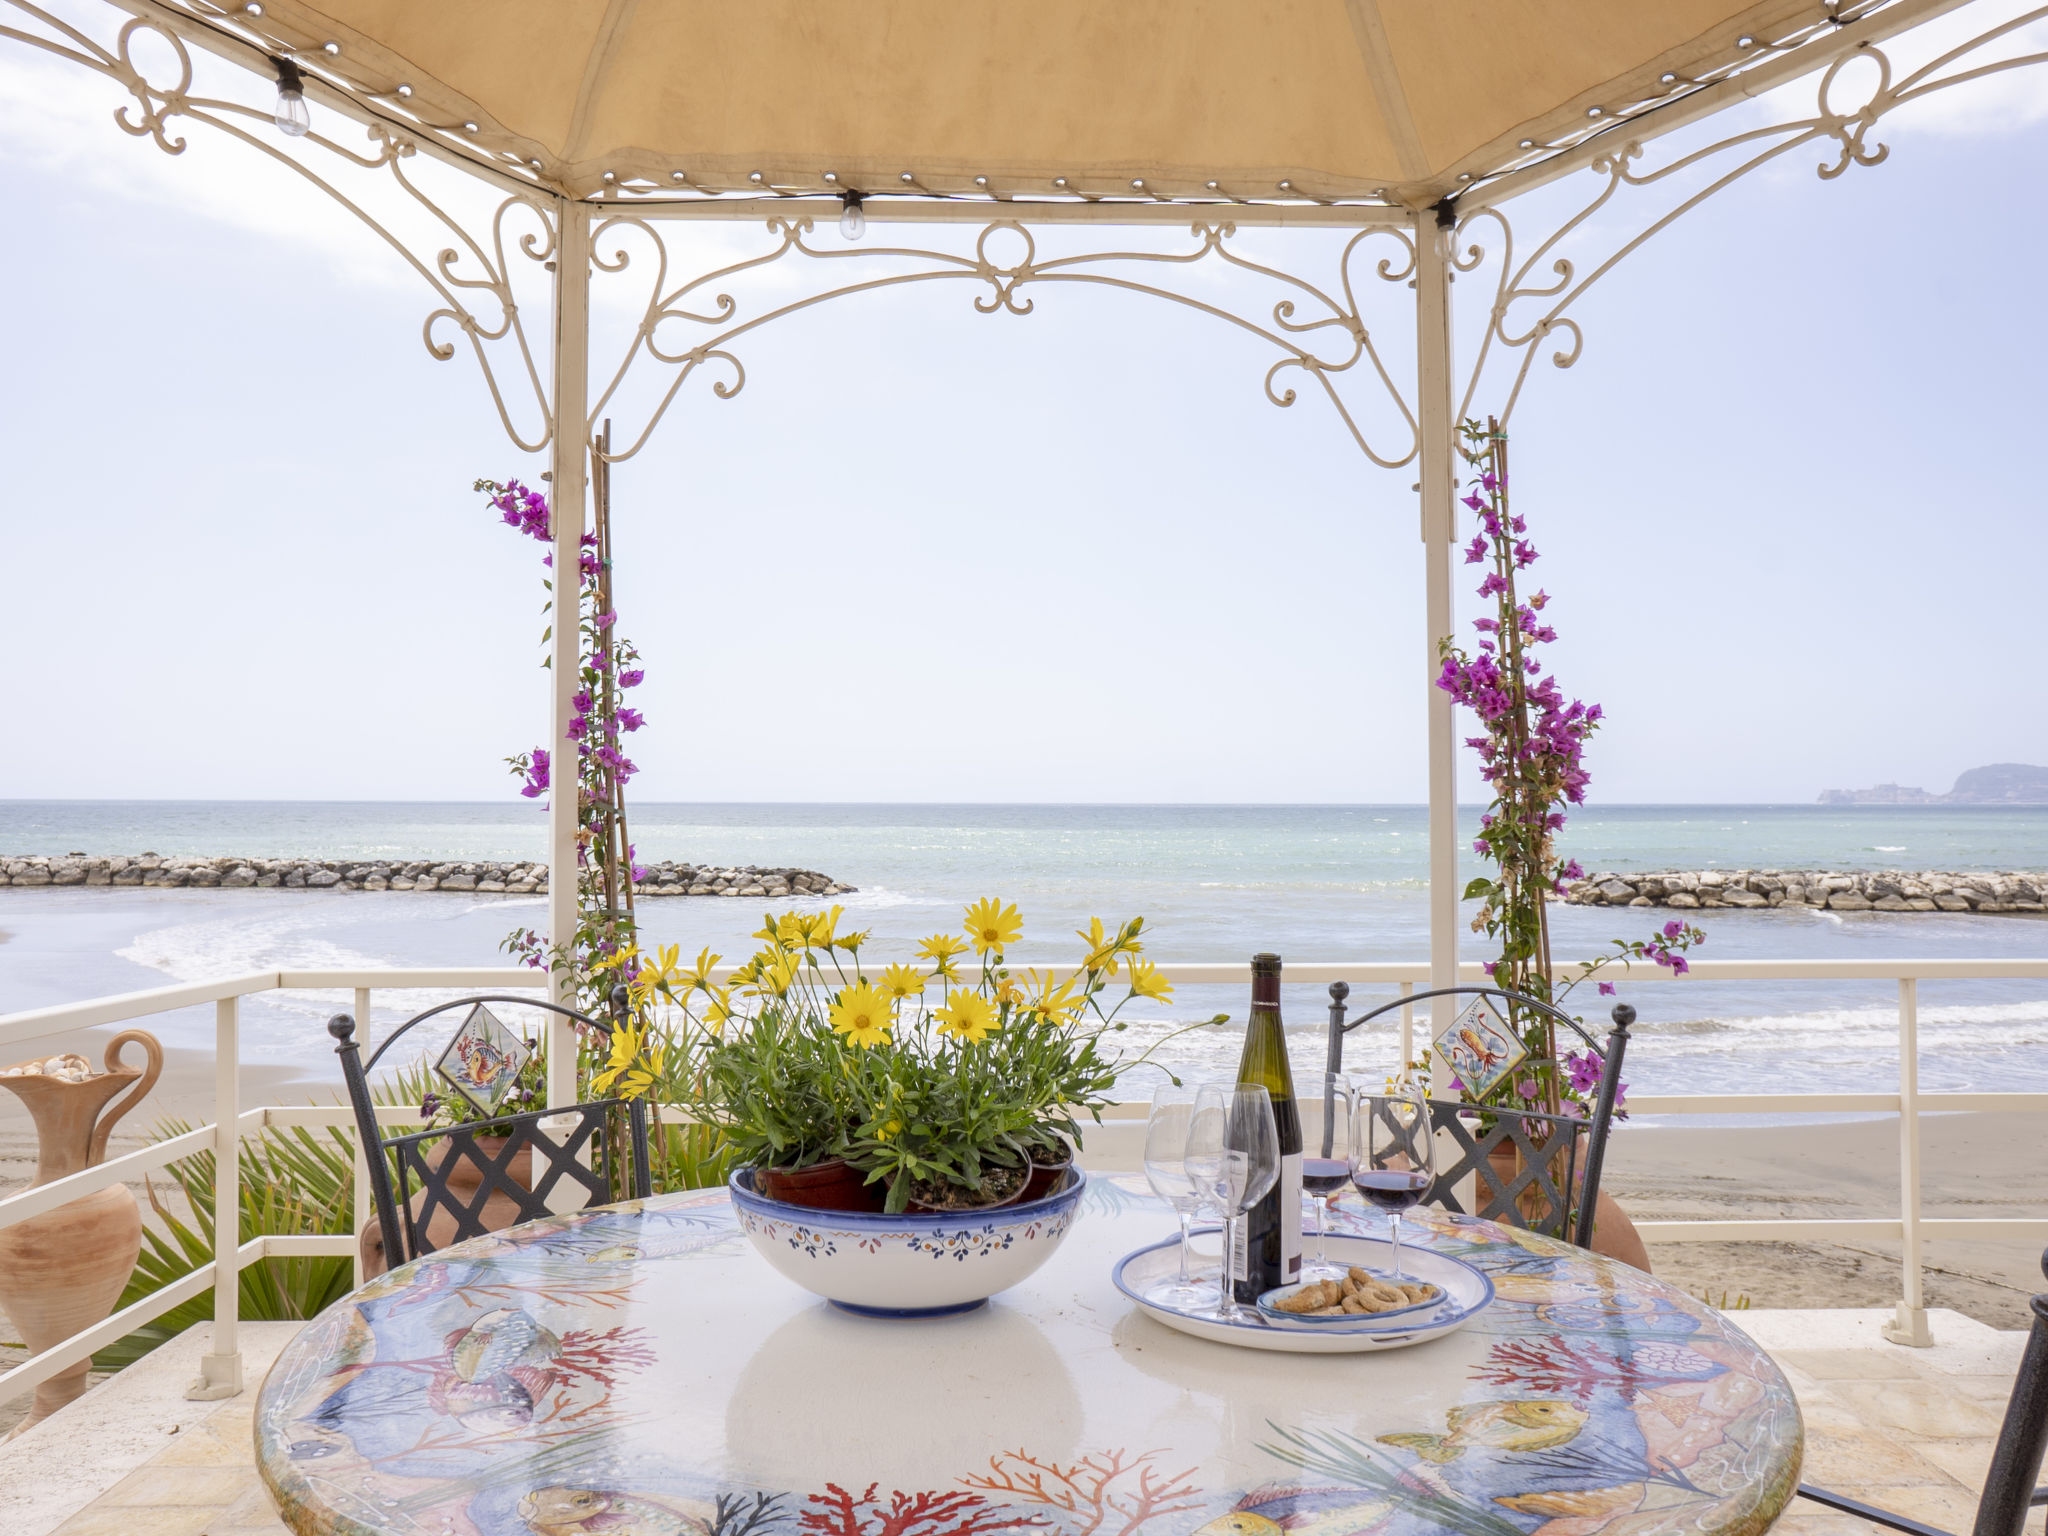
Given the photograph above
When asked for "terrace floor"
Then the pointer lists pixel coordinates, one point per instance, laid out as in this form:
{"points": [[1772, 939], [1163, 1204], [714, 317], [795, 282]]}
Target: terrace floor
{"points": [[1907, 1429]]}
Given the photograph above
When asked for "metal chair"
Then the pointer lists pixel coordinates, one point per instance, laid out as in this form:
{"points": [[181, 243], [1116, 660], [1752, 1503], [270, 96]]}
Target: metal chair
{"points": [[1547, 1145], [569, 1145], [2009, 1490]]}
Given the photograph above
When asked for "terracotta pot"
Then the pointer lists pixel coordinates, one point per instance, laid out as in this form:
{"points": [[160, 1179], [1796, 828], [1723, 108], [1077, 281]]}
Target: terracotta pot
{"points": [[833, 1185], [1614, 1235], [62, 1272], [464, 1180], [1014, 1196], [1044, 1176]]}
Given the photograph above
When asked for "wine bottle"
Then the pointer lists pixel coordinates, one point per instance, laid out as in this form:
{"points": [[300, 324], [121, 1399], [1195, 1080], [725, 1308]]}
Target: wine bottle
{"points": [[1271, 1251]]}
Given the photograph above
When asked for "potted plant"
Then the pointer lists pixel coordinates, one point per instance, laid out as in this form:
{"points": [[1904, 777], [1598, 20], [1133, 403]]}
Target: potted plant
{"points": [[1531, 754], [881, 1118]]}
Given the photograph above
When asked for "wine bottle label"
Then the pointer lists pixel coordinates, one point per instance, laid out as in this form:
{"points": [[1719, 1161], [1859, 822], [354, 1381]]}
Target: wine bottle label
{"points": [[1290, 1218], [1237, 1254]]}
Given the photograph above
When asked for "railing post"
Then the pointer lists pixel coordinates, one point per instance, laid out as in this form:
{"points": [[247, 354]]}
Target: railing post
{"points": [[365, 1209], [1910, 1325], [1407, 1026], [220, 1369]]}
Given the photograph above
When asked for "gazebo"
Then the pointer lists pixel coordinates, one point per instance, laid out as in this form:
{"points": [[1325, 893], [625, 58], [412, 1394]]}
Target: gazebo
{"points": [[906, 142]]}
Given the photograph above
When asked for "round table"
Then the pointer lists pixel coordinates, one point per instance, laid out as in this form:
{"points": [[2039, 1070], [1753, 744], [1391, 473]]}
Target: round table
{"points": [[639, 1371]]}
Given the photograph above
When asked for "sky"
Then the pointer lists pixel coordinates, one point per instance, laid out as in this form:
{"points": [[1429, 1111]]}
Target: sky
{"points": [[1786, 501]]}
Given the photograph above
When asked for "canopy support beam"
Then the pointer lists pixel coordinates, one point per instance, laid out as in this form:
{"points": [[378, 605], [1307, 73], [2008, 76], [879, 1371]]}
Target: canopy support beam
{"points": [[1437, 437], [569, 460]]}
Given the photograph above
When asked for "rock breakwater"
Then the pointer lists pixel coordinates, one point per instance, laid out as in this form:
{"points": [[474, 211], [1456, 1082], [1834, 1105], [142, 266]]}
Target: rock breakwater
{"points": [[2017, 892], [518, 879]]}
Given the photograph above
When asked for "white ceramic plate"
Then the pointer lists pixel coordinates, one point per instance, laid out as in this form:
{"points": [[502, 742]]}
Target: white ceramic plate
{"points": [[1467, 1293]]}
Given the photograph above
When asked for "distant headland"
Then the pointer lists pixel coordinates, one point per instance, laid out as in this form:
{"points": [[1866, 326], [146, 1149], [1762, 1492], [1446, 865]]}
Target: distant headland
{"points": [[1995, 784]]}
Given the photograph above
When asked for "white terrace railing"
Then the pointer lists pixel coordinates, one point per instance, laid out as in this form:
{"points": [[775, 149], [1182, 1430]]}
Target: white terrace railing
{"points": [[1116, 1146]]}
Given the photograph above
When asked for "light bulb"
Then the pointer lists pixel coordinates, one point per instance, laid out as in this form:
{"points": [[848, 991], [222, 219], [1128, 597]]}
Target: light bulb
{"points": [[853, 221], [291, 116]]}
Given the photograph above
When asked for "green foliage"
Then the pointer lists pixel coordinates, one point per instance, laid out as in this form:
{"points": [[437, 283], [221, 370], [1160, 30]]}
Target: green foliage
{"points": [[296, 1182]]}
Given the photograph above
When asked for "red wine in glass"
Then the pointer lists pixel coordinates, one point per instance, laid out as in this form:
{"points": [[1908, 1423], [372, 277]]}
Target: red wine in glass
{"points": [[1391, 1189], [1324, 1175]]}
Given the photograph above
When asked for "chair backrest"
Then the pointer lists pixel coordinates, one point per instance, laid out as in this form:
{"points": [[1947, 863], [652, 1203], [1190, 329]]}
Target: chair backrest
{"points": [[1541, 1154], [2009, 1487], [1539, 1194], [584, 1145]]}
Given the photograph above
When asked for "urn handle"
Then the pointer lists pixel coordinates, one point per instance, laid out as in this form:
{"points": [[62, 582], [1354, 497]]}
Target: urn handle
{"points": [[152, 1069]]}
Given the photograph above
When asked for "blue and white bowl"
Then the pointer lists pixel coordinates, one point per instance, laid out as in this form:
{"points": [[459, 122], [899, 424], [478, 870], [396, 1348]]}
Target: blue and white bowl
{"points": [[914, 1264]]}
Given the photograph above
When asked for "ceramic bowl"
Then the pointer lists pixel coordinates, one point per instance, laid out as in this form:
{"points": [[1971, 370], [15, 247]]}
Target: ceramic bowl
{"points": [[908, 1265]]}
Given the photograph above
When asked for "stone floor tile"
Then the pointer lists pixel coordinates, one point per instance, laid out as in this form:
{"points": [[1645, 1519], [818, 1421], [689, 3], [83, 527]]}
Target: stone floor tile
{"points": [[1803, 1517], [1934, 1409], [1820, 1411], [1840, 1459], [1967, 1461], [1948, 1507], [203, 1446], [253, 1507], [155, 1486], [101, 1519], [1853, 1364]]}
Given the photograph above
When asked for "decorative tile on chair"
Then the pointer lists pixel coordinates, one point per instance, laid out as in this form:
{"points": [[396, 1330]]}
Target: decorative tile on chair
{"points": [[484, 1060], [1480, 1048]]}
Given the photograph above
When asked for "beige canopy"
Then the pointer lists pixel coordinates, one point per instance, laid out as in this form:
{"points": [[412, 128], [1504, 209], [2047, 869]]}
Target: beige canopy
{"points": [[1403, 99]]}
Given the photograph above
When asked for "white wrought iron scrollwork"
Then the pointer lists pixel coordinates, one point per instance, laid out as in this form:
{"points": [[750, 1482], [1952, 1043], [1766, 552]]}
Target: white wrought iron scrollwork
{"points": [[1533, 294], [1322, 332], [471, 278]]}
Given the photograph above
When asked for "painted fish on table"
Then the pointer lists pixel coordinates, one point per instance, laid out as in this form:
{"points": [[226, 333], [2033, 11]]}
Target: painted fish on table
{"points": [[561, 1511], [1274, 1509], [1535, 1425]]}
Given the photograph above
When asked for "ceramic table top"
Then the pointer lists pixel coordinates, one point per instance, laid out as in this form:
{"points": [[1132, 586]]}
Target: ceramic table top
{"points": [[640, 1371]]}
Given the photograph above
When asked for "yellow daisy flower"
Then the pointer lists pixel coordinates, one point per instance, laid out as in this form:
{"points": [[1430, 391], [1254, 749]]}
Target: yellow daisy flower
{"points": [[991, 925], [967, 1016], [1102, 947], [940, 949], [901, 981], [700, 973], [1054, 998], [1147, 982], [863, 1015]]}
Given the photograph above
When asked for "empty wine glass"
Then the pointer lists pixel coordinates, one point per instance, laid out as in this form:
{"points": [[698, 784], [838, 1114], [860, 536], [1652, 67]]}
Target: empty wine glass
{"points": [[1166, 1170], [1327, 1164], [1233, 1156], [1393, 1153]]}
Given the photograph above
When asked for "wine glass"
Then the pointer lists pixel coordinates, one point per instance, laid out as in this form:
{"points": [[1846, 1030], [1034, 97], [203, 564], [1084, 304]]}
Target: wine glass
{"points": [[1166, 1170], [1327, 1167], [1233, 1155], [1393, 1153]]}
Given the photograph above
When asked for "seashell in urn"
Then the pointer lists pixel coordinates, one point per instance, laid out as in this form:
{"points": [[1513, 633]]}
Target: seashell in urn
{"points": [[62, 1271]]}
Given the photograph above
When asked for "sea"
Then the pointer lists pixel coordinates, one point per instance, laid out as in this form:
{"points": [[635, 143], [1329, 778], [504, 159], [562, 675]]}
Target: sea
{"points": [[1213, 883]]}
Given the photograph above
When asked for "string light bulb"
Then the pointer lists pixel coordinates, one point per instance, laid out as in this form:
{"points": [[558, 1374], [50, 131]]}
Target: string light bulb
{"points": [[853, 220], [292, 118]]}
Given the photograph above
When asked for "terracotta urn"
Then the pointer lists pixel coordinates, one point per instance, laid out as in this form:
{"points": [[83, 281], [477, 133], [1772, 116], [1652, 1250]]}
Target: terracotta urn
{"points": [[62, 1271], [465, 1179]]}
